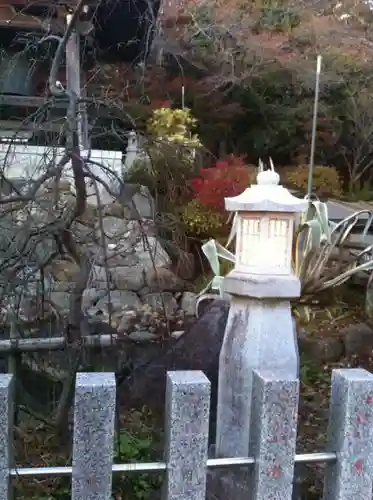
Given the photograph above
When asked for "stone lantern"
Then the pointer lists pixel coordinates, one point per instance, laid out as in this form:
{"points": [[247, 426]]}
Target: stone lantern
{"points": [[259, 332]]}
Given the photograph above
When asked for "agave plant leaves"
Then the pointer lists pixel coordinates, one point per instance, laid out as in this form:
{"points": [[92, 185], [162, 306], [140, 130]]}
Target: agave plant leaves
{"points": [[213, 252], [316, 243], [311, 242], [318, 211]]}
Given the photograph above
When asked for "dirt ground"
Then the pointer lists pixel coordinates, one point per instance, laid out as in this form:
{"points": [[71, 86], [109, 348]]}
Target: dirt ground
{"points": [[315, 385]]}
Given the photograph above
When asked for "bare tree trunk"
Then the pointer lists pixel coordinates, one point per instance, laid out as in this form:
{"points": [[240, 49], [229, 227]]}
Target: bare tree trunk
{"points": [[73, 142]]}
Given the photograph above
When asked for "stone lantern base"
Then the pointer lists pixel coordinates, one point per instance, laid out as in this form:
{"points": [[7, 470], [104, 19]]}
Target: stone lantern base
{"points": [[262, 286], [259, 335]]}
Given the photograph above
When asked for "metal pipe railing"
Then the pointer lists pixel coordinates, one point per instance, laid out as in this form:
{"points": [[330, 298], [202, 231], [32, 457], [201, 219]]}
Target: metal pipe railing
{"points": [[212, 463], [56, 343]]}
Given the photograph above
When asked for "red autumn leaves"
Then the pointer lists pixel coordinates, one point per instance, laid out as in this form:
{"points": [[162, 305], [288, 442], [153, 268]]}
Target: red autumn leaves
{"points": [[229, 177]]}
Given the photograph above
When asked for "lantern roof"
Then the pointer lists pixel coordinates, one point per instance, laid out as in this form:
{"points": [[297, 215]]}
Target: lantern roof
{"points": [[266, 196]]}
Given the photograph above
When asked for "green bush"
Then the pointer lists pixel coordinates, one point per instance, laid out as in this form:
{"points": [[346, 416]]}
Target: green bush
{"points": [[278, 19], [171, 150], [326, 180], [166, 174], [201, 222]]}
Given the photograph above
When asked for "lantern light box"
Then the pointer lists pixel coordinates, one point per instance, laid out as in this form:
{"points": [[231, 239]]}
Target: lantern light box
{"points": [[265, 225], [263, 243]]}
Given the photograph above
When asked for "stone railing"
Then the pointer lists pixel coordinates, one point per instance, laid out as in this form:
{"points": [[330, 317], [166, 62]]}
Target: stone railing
{"points": [[269, 469]]}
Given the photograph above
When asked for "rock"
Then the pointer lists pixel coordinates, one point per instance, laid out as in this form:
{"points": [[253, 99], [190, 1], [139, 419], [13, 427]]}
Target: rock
{"points": [[186, 266], [188, 303], [122, 247], [114, 209], [99, 275], [142, 336], [89, 214], [64, 185], [41, 250], [125, 260], [160, 301], [64, 270], [358, 339], [83, 232], [159, 257], [61, 300], [113, 256], [128, 321], [164, 279], [321, 349], [91, 296], [198, 349], [129, 278], [105, 197], [177, 334], [120, 301], [138, 201], [227, 483], [113, 227], [60, 286]]}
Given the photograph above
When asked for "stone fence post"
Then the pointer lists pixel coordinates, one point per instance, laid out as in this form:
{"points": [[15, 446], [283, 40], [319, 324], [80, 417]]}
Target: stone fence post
{"points": [[187, 431], [6, 434], [274, 416], [350, 435], [273, 433], [93, 442]]}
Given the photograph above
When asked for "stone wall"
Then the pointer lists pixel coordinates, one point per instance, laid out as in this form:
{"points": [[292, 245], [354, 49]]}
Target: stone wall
{"points": [[132, 281]]}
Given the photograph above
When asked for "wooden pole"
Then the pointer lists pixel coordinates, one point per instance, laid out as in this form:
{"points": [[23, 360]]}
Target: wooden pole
{"points": [[73, 81]]}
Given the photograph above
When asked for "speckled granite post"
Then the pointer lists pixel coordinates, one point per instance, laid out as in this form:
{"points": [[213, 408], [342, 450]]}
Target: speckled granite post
{"points": [[273, 438], [6, 432], [350, 435], [187, 428], [273, 434], [94, 417]]}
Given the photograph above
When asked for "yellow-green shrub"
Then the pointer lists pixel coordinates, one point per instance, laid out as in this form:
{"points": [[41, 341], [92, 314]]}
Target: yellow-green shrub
{"points": [[199, 221], [171, 148], [325, 180], [174, 126]]}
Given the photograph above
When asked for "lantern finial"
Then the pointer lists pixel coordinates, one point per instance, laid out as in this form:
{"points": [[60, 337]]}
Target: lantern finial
{"points": [[267, 177]]}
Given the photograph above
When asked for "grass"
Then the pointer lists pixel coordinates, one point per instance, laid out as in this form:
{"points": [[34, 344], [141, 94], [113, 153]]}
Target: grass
{"points": [[312, 374], [136, 441]]}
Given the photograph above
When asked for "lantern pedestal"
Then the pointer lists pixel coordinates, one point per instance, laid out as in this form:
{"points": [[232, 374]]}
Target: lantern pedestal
{"points": [[259, 335]]}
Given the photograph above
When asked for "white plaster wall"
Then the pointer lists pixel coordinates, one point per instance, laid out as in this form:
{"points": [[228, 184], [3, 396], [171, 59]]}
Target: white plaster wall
{"points": [[20, 161]]}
